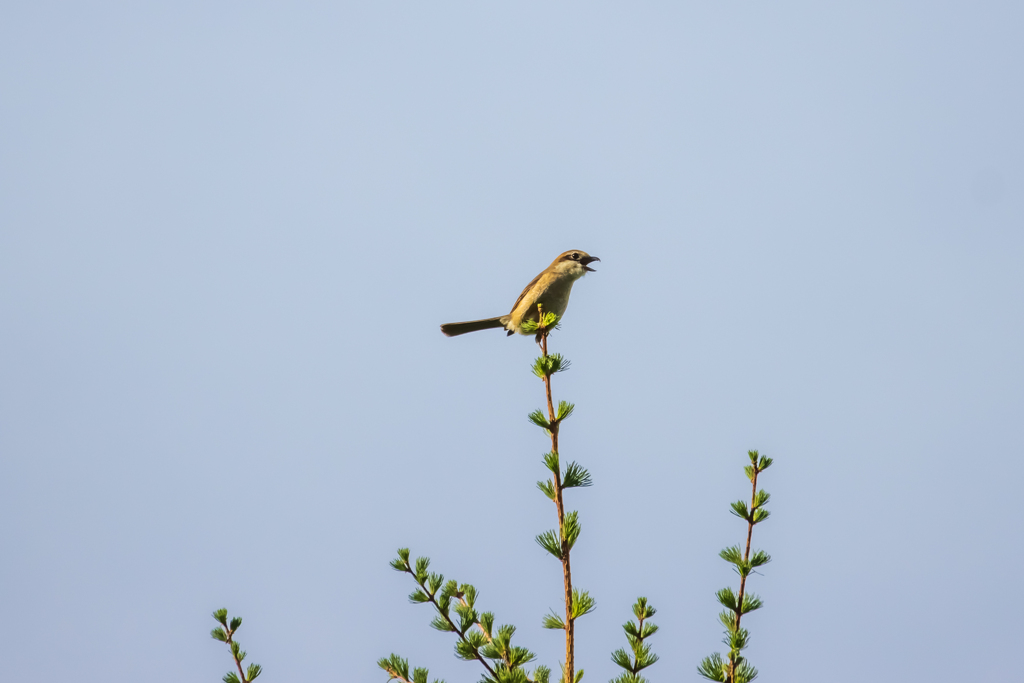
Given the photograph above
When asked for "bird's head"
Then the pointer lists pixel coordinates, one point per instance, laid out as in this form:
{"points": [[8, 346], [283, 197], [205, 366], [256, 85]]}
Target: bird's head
{"points": [[574, 262]]}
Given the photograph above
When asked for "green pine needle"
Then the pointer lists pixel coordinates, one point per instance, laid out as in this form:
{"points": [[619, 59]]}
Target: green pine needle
{"points": [[737, 639], [564, 410], [548, 321], [551, 461], [739, 508], [641, 610], [487, 623], [643, 657], [714, 668], [466, 650], [519, 656], [575, 476], [759, 557], [751, 602], [422, 564], [553, 621], [545, 366], [476, 639], [745, 673], [582, 603], [467, 617], [469, 594], [395, 666], [537, 417], [549, 541], [727, 598], [650, 630], [732, 554], [629, 677], [622, 659], [443, 603], [547, 488], [401, 563], [571, 529], [441, 624]]}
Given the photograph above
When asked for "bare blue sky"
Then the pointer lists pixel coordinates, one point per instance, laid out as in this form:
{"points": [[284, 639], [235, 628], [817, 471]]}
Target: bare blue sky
{"points": [[229, 231]]}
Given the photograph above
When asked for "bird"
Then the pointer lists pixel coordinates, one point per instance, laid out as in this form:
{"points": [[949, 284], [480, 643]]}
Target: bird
{"points": [[550, 289]]}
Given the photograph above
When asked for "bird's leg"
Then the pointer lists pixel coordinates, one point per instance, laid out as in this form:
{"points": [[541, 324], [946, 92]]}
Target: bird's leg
{"points": [[542, 332]]}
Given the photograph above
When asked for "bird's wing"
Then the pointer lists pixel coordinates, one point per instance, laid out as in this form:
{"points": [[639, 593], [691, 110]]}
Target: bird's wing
{"points": [[527, 289]]}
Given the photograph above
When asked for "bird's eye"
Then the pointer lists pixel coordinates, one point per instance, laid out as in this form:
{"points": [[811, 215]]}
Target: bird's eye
{"points": [[575, 257]]}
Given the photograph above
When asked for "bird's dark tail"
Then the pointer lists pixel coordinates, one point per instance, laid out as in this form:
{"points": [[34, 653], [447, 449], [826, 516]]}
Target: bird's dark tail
{"points": [[455, 329]]}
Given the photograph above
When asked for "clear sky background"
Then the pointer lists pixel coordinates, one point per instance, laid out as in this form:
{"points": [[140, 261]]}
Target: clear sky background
{"points": [[229, 232]]}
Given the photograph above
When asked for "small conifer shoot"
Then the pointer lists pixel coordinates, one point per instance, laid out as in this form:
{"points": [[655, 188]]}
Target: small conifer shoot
{"points": [[734, 668], [476, 636], [636, 634], [225, 633]]}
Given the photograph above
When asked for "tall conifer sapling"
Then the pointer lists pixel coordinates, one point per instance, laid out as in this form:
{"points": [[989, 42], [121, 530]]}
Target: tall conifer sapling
{"points": [[734, 668]]}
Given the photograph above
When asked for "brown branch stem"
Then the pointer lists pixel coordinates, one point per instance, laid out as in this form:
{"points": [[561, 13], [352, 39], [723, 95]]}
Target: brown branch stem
{"points": [[478, 624], [238, 662], [570, 644], [397, 676], [746, 558], [640, 640], [454, 628]]}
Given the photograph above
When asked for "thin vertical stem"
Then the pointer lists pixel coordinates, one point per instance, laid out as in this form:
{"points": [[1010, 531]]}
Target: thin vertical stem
{"points": [[238, 662], [746, 558], [570, 645]]}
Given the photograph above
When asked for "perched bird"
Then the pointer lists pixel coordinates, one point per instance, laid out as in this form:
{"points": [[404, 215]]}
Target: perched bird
{"points": [[550, 289]]}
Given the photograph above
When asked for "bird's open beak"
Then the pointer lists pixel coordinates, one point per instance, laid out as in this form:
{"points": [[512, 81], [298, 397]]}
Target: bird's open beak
{"points": [[587, 261]]}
